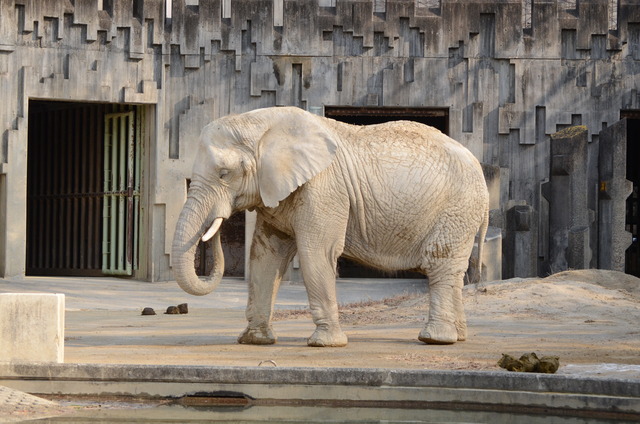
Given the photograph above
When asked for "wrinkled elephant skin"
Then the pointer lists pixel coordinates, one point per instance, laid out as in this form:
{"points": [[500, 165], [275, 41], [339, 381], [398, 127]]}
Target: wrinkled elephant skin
{"points": [[395, 196]]}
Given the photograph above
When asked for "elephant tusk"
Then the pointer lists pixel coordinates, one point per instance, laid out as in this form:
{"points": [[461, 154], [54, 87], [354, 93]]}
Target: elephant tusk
{"points": [[212, 230]]}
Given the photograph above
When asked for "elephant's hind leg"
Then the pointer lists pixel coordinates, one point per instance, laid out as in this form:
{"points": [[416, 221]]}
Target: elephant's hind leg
{"points": [[447, 323], [271, 253]]}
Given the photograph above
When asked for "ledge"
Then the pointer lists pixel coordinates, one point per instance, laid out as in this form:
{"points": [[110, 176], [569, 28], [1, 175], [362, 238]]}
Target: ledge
{"points": [[356, 386]]}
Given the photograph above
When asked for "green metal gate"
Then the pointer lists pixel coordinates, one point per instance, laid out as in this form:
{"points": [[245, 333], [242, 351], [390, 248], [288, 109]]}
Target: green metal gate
{"points": [[121, 205]]}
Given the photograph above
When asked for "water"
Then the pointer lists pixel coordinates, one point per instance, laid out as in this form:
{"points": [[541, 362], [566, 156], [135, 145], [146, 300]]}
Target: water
{"points": [[242, 411]]}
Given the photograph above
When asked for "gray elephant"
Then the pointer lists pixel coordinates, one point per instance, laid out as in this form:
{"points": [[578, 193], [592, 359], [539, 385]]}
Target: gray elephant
{"points": [[395, 196]]}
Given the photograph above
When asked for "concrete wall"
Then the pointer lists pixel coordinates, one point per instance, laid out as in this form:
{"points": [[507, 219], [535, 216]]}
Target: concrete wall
{"points": [[510, 73]]}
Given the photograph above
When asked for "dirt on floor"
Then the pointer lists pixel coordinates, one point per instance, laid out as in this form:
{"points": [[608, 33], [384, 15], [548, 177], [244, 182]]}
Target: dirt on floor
{"points": [[583, 317]]}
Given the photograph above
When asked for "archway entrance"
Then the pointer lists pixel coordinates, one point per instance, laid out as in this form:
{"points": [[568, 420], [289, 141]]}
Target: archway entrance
{"points": [[83, 188], [438, 118], [632, 259]]}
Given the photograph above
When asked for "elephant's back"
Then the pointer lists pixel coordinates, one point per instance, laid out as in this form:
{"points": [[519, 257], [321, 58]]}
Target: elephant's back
{"points": [[395, 137], [401, 150]]}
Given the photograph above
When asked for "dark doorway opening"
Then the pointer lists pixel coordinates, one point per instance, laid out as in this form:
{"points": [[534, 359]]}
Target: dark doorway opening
{"points": [[233, 242], [435, 117], [438, 118], [83, 188], [632, 259]]}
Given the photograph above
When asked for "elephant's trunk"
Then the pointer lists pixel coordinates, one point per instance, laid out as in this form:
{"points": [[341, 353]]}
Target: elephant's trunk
{"points": [[190, 227]]}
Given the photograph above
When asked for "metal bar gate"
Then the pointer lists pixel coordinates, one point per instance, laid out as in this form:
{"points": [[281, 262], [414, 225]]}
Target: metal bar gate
{"points": [[121, 203], [64, 187]]}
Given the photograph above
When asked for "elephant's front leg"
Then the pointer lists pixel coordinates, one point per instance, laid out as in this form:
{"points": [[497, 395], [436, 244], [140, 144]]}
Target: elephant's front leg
{"points": [[271, 253], [319, 272], [447, 323]]}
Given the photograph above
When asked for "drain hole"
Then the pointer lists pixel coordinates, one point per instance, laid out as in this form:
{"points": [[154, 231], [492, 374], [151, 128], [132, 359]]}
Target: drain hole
{"points": [[217, 398]]}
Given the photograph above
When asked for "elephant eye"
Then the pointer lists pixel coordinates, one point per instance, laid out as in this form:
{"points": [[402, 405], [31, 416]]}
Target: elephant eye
{"points": [[224, 172]]}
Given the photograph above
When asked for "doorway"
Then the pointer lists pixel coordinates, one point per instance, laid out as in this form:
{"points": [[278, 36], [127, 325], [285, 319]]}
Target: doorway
{"points": [[632, 254], [435, 117], [84, 173]]}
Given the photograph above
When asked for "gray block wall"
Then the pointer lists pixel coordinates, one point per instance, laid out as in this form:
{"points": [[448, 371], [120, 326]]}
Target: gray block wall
{"points": [[568, 209], [510, 73]]}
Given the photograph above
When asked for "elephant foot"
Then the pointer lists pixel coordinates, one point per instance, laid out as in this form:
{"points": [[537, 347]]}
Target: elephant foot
{"points": [[324, 337], [439, 333], [258, 336]]}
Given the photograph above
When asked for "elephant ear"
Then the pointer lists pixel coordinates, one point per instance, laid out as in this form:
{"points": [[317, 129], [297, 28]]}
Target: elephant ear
{"points": [[292, 151]]}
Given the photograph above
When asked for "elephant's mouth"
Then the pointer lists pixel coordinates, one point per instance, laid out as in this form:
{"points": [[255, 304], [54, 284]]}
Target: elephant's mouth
{"points": [[213, 229]]}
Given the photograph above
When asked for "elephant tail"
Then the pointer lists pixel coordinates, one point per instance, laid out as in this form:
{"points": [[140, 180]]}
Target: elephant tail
{"points": [[481, 236]]}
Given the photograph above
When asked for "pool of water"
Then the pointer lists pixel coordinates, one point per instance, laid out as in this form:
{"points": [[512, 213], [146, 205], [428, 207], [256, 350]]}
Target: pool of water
{"points": [[111, 393], [237, 410]]}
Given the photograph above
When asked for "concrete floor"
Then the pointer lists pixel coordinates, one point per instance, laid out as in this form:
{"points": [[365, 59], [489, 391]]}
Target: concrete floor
{"points": [[124, 294]]}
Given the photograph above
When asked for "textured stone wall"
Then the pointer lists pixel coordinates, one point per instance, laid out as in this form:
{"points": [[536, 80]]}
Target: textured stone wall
{"points": [[510, 73]]}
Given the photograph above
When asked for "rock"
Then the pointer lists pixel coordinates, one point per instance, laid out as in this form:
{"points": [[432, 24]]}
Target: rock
{"points": [[148, 311], [171, 310], [183, 308]]}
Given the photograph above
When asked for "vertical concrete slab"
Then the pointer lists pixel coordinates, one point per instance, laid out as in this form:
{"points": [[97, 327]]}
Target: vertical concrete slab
{"points": [[492, 255], [31, 327], [278, 13], [493, 179], [568, 193], [521, 242], [614, 188], [491, 258], [8, 25], [578, 245]]}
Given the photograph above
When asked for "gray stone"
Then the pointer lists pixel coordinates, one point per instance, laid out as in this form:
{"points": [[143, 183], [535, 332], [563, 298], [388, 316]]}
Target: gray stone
{"points": [[172, 310], [31, 327], [148, 311]]}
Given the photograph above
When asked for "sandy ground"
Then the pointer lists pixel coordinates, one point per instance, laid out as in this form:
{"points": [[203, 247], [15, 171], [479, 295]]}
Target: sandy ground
{"points": [[587, 318]]}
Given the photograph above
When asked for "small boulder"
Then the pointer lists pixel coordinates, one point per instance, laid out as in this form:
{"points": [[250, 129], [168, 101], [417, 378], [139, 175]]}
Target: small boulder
{"points": [[171, 310], [148, 311], [183, 308]]}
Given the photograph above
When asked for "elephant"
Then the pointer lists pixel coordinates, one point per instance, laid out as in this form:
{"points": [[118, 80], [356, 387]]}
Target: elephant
{"points": [[395, 196]]}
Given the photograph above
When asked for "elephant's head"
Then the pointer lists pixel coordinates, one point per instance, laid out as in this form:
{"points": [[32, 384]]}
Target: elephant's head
{"points": [[243, 162]]}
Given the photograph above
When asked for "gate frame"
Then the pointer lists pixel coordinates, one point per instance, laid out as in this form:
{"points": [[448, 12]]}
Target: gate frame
{"points": [[16, 261]]}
